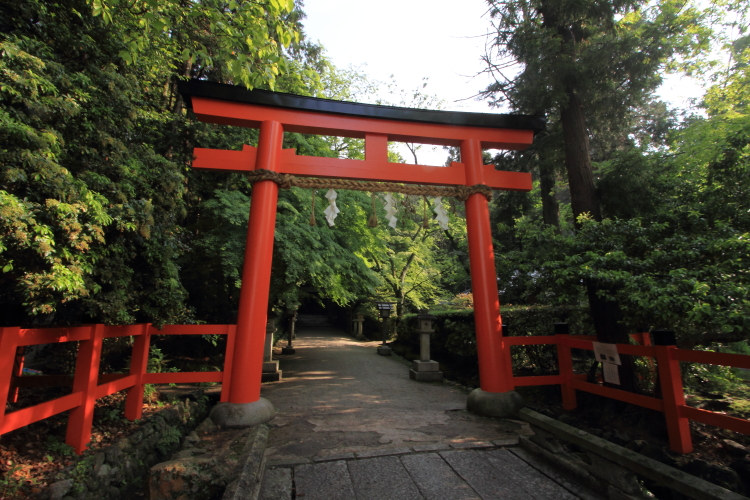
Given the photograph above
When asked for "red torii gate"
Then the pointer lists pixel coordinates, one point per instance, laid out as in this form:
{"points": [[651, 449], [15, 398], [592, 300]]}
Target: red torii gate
{"points": [[275, 113]]}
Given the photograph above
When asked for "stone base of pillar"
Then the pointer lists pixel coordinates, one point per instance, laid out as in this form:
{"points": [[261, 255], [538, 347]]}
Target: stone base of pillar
{"points": [[385, 350], [271, 372], [237, 416], [360, 336], [426, 371], [494, 404], [287, 350]]}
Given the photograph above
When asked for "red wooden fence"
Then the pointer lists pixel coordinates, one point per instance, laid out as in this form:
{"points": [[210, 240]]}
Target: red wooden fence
{"points": [[667, 357], [88, 384]]}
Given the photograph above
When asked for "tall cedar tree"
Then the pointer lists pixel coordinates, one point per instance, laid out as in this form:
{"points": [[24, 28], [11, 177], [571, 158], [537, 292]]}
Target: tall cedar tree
{"points": [[578, 56]]}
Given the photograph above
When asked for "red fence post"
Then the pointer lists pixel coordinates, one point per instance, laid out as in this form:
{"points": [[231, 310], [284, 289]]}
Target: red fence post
{"points": [[85, 381], [673, 395], [228, 360], [9, 337], [565, 366], [138, 367], [17, 372]]}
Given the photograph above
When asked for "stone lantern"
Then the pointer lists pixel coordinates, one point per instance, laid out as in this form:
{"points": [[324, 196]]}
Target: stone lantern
{"points": [[292, 312], [271, 372], [424, 369], [385, 308], [358, 321]]}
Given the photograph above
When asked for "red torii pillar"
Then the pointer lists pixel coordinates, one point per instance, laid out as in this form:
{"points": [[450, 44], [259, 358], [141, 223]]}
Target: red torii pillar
{"points": [[275, 113]]}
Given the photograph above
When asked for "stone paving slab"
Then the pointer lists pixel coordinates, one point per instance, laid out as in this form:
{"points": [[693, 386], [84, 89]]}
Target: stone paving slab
{"points": [[505, 442], [332, 458], [383, 478], [488, 481], [277, 485], [286, 462], [324, 481], [526, 477], [466, 445], [435, 478], [549, 471], [431, 447], [445, 475], [382, 452]]}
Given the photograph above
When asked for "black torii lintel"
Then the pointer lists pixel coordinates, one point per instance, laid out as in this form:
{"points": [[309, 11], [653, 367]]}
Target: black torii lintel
{"points": [[240, 94]]}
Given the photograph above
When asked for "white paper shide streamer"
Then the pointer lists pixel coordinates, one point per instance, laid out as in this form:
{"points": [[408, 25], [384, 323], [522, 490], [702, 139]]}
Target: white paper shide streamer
{"points": [[390, 210], [332, 210], [441, 214]]}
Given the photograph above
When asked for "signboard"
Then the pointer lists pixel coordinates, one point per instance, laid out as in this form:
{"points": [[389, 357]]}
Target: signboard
{"points": [[607, 355]]}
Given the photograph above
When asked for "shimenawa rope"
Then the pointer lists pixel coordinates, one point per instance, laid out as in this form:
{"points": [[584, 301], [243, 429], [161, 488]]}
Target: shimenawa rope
{"points": [[286, 181]]}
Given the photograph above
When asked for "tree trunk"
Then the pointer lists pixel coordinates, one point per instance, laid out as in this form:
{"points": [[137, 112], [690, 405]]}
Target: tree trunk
{"points": [[583, 198], [607, 318], [550, 207], [605, 313]]}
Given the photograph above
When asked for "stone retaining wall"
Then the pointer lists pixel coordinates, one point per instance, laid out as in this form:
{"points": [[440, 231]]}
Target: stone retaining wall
{"points": [[119, 470], [609, 469]]}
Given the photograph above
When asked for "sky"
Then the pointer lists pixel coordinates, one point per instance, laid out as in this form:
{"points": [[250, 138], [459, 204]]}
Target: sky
{"points": [[409, 39], [442, 40]]}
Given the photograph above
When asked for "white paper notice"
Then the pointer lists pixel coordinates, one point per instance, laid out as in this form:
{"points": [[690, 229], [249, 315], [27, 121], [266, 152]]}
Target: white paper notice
{"points": [[606, 353], [610, 373]]}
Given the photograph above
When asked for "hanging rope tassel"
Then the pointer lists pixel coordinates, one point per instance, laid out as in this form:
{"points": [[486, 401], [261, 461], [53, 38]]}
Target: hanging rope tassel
{"points": [[425, 220], [373, 220], [312, 214]]}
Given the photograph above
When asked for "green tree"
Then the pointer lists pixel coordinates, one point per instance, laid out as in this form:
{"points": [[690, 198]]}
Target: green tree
{"points": [[576, 57], [230, 41], [94, 186]]}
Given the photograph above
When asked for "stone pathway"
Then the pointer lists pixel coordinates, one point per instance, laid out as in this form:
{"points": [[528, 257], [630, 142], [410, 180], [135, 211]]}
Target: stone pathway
{"points": [[352, 425], [444, 475]]}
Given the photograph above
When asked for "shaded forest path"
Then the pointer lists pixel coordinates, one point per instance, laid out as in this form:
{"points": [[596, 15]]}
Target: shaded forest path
{"points": [[352, 424]]}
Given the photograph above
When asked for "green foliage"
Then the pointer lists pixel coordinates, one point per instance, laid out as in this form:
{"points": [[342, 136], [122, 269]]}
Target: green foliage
{"points": [[672, 248], [454, 342], [58, 448], [170, 437], [608, 53], [96, 198], [89, 208], [10, 484], [237, 41]]}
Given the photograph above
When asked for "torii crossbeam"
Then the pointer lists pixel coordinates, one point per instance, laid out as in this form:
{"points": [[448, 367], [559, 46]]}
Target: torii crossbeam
{"points": [[275, 113]]}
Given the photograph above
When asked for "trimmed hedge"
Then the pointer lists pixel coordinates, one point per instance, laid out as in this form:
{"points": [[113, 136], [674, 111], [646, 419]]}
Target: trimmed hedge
{"points": [[453, 344]]}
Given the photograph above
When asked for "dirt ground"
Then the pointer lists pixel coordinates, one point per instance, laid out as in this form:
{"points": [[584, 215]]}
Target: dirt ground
{"points": [[31, 457]]}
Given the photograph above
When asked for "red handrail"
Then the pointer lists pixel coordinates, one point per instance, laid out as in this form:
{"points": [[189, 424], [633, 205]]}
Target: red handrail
{"points": [[667, 358], [88, 384]]}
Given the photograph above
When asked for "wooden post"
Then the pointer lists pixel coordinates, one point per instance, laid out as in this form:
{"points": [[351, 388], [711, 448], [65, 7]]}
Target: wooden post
{"points": [[81, 418], [9, 337], [673, 395], [256, 272], [565, 365], [226, 382], [491, 349], [17, 372], [138, 367]]}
